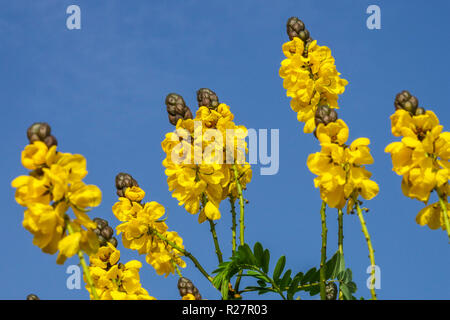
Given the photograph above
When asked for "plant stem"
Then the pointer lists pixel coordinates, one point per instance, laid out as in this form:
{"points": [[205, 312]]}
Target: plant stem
{"points": [[233, 225], [341, 242], [212, 228], [443, 203], [369, 245], [84, 266], [184, 252], [323, 257], [241, 203], [241, 219], [177, 269]]}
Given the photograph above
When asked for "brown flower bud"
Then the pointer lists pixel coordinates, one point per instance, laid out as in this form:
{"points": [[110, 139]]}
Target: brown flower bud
{"points": [[207, 98], [406, 101], [177, 108]]}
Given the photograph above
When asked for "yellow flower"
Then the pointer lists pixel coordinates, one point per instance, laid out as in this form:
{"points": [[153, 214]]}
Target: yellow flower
{"points": [[432, 216], [334, 132], [310, 78], [210, 211], [34, 155], [46, 224], [134, 193], [188, 296], [422, 155], [340, 169], [31, 190]]}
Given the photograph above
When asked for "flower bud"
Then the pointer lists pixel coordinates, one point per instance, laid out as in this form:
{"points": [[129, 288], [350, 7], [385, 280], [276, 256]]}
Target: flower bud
{"points": [[185, 286], [325, 114], [331, 291], [123, 181], [406, 101], [296, 28], [207, 98], [177, 108], [32, 296], [39, 129]]}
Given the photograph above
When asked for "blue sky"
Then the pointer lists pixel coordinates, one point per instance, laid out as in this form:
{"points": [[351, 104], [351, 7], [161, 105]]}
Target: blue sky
{"points": [[102, 89]]}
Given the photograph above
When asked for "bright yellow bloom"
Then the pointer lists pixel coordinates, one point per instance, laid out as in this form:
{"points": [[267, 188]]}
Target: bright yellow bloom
{"points": [[339, 168], [310, 78], [334, 132], [114, 280], [422, 156], [34, 155], [46, 224], [432, 216], [134, 193], [54, 186], [191, 179], [140, 222], [188, 296]]}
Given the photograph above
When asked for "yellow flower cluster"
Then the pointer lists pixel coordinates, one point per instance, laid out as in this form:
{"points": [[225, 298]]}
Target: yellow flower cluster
{"points": [[205, 173], [140, 223], [422, 159], [310, 78], [52, 187], [340, 169], [113, 280]]}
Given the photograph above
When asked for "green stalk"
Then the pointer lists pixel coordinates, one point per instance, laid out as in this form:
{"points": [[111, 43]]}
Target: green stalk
{"points": [[212, 228], [85, 267], [241, 218], [341, 242], [369, 245], [184, 252], [233, 225], [241, 204], [323, 257], [443, 203]]}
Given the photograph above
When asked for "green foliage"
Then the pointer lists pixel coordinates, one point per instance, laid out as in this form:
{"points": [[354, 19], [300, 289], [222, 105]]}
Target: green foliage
{"points": [[256, 263]]}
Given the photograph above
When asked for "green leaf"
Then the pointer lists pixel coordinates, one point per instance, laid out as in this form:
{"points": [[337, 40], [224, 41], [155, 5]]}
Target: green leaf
{"points": [[314, 290], [285, 280], [265, 261], [258, 250], [331, 265], [262, 283], [346, 291], [293, 288], [258, 275], [310, 276], [279, 269]]}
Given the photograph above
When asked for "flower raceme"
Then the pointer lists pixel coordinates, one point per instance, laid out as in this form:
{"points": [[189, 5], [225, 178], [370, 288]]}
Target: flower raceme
{"points": [[340, 169], [52, 187], [114, 280], [200, 155], [310, 78], [421, 157], [139, 224]]}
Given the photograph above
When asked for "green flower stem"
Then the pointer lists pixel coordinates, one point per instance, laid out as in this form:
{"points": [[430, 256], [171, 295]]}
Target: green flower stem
{"points": [[233, 225], [241, 204], [241, 219], [177, 269], [341, 242], [184, 252], [323, 255], [369, 245], [212, 228], [443, 203], [216, 240], [84, 266]]}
